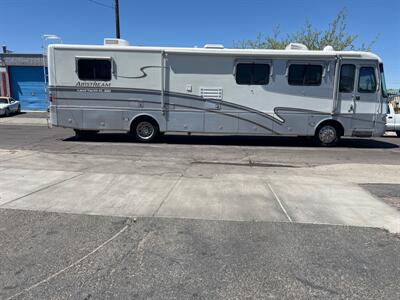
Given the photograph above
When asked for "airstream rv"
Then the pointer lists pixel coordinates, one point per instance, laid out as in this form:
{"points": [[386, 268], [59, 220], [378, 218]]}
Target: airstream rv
{"points": [[150, 90]]}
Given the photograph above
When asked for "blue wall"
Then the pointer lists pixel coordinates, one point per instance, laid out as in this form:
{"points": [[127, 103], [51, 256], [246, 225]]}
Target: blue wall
{"points": [[27, 86]]}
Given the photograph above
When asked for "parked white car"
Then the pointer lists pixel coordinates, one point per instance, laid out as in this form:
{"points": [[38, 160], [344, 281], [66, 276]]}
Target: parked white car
{"points": [[8, 106], [393, 120]]}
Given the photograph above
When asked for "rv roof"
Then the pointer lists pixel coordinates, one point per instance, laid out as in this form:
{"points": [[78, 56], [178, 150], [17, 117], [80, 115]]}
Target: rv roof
{"points": [[226, 51]]}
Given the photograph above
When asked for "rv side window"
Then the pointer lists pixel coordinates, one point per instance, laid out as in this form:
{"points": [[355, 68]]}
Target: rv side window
{"points": [[252, 73], [94, 69], [347, 76], [367, 80], [305, 74]]}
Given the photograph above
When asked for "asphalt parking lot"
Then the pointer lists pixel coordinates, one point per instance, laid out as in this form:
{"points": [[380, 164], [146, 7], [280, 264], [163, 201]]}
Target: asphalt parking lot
{"points": [[66, 256], [196, 216]]}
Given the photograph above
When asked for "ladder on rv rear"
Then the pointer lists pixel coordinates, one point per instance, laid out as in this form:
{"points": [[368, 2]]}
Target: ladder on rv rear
{"points": [[48, 39]]}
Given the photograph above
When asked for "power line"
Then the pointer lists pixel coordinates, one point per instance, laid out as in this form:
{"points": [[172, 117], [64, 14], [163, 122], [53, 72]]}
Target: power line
{"points": [[102, 4]]}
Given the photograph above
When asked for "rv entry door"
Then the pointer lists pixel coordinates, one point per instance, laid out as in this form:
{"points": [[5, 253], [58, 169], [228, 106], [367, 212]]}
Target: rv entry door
{"points": [[358, 94]]}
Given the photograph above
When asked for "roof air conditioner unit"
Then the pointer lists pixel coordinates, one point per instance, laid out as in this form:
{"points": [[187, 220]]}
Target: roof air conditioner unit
{"points": [[115, 42], [328, 48], [214, 46], [296, 46]]}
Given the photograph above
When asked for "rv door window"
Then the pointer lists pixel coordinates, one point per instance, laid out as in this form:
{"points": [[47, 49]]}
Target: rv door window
{"points": [[367, 80], [252, 73], [383, 81], [305, 74], [347, 76], [94, 69]]}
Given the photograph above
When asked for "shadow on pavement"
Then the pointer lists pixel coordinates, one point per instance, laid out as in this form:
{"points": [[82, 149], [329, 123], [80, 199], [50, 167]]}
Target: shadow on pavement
{"points": [[231, 140]]}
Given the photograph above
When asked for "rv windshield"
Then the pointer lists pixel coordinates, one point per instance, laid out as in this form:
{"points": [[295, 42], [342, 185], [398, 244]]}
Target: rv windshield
{"points": [[383, 81]]}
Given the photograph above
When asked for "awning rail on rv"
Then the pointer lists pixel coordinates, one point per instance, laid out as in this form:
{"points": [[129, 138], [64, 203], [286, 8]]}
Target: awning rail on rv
{"points": [[227, 51]]}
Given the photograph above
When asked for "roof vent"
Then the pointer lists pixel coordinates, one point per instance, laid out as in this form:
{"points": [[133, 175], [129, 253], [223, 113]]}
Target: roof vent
{"points": [[214, 46], [328, 48], [296, 46], [115, 42]]}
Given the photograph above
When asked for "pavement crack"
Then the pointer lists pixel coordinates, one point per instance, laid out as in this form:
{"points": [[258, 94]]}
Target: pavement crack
{"points": [[41, 189], [71, 265], [249, 163], [166, 196], [280, 202], [140, 249], [315, 286]]}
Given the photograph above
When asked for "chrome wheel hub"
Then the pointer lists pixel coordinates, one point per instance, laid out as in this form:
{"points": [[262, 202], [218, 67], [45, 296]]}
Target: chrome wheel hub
{"points": [[145, 130], [327, 134]]}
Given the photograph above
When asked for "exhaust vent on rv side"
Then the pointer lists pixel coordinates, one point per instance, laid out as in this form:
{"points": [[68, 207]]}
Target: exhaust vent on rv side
{"points": [[115, 42], [214, 46], [296, 46]]}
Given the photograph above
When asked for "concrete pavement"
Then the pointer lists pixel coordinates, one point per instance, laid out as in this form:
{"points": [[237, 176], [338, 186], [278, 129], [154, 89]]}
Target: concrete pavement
{"points": [[121, 186]]}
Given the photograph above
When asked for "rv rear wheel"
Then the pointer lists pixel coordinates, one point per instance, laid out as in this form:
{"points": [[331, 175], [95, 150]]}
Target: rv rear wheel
{"points": [[327, 135], [145, 130]]}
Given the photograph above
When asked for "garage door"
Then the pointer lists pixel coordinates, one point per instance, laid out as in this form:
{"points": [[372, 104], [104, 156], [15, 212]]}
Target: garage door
{"points": [[27, 86]]}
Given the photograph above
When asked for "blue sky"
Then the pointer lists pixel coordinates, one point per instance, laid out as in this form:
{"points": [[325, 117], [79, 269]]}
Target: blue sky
{"points": [[195, 23]]}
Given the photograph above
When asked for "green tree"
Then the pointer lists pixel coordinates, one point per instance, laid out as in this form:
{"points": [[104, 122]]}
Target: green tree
{"points": [[336, 35]]}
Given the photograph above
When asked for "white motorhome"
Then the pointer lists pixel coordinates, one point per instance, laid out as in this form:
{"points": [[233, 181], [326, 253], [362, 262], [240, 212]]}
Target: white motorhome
{"points": [[149, 90]]}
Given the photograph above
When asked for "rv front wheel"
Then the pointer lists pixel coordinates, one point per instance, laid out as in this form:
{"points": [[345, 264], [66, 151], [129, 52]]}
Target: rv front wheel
{"points": [[327, 135], [145, 130]]}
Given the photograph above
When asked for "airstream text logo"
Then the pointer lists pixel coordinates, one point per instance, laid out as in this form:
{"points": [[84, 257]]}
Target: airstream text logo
{"points": [[93, 86]]}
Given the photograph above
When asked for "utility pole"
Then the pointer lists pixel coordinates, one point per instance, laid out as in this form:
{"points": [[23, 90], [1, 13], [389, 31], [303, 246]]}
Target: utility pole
{"points": [[117, 32]]}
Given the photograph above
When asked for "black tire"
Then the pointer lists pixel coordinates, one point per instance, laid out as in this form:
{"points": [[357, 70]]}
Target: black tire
{"points": [[398, 133], [145, 130], [7, 112], [327, 135], [85, 133]]}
